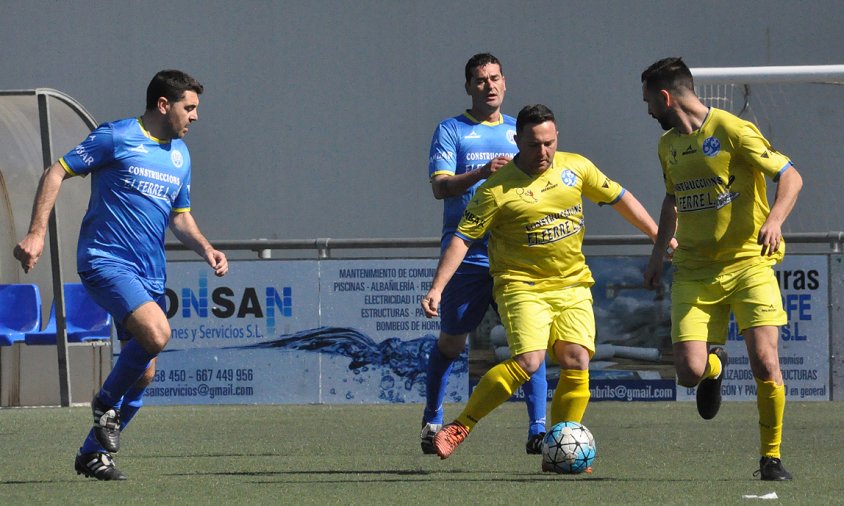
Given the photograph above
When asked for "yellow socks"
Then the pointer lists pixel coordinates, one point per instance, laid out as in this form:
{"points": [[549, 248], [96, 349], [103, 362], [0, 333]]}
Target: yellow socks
{"points": [[770, 401], [713, 367], [570, 397], [495, 387]]}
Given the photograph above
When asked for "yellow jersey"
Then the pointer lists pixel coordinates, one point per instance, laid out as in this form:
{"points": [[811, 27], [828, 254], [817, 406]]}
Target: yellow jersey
{"points": [[717, 177], [536, 223]]}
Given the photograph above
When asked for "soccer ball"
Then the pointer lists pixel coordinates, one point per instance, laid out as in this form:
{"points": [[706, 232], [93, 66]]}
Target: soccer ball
{"points": [[568, 448]]}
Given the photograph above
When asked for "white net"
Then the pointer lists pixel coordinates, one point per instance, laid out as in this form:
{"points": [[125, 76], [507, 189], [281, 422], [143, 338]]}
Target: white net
{"points": [[765, 95], [751, 102], [798, 109]]}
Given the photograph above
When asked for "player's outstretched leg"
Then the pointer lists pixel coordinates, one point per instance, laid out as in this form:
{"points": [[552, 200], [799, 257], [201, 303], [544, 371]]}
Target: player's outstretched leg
{"points": [[536, 398], [709, 389], [449, 438], [97, 465], [436, 384], [131, 365]]}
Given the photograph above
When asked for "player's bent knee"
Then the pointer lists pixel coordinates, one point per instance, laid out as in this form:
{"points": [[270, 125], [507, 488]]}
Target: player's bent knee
{"points": [[688, 378], [450, 345]]}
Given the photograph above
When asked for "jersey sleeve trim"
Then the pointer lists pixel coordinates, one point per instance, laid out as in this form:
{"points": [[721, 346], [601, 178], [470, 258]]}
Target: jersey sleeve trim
{"points": [[181, 209], [67, 168], [441, 173], [465, 237], [785, 168], [615, 200]]}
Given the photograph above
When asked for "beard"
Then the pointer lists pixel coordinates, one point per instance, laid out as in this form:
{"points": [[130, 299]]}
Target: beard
{"points": [[663, 122]]}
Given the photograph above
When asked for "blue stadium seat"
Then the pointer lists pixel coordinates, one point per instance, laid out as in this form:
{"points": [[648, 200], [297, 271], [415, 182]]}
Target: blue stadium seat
{"points": [[86, 321], [20, 312]]}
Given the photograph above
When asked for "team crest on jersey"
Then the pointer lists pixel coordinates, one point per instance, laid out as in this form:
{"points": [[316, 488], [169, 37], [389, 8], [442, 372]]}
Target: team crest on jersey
{"points": [[711, 146], [568, 177], [511, 136], [527, 195], [176, 158]]}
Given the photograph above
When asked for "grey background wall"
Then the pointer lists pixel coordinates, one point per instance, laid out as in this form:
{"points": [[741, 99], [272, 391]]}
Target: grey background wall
{"points": [[317, 115]]}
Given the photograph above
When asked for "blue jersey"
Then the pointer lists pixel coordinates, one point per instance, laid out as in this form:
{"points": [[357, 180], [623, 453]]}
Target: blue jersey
{"points": [[462, 144], [136, 182]]}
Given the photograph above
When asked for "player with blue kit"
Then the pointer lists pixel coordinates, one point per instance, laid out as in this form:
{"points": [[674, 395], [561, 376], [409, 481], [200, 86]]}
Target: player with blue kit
{"points": [[140, 184], [465, 150]]}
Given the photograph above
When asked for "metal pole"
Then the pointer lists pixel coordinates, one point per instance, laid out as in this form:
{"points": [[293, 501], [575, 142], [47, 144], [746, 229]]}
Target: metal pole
{"points": [[55, 259]]}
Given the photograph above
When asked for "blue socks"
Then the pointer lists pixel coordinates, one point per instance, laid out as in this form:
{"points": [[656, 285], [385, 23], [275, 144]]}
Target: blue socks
{"points": [[436, 383], [536, 397], [132, 402], [128, 406], [119, 388], [130, 366]]}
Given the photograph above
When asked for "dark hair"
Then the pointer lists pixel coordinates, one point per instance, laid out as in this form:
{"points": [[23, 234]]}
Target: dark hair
{"points": [[479, 60], [172, 85], [533, 115], [668, 74]]}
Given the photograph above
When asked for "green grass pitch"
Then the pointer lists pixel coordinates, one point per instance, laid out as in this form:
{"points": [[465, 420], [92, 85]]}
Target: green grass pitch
{"points": [[648, 453]]}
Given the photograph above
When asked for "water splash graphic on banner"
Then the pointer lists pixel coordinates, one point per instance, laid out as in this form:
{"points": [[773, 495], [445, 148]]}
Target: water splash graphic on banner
{"points": [[401, 362]]}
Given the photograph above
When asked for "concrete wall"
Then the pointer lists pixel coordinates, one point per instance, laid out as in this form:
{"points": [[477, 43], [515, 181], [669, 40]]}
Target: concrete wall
{"points": [[317, 115], [29, 375]]}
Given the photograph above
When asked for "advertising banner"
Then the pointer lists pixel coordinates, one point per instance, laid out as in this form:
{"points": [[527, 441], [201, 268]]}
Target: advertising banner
{"points": [[352, 331], [299, 332], [223, 330]]}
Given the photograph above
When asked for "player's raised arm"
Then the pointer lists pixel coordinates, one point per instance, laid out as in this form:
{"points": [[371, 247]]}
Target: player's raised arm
{"points": [[449, 261], [629, 207], [29, 250], [445, 186]]}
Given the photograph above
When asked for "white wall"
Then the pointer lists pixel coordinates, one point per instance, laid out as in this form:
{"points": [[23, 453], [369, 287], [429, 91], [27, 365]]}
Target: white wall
{"points": [[317, 115]]}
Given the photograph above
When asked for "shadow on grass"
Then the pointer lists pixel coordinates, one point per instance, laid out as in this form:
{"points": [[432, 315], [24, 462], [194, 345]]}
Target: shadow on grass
{"points": [[450, 475]]}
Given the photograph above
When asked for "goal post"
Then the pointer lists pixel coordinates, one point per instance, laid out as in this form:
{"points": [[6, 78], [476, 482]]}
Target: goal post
{"points": [[754, 93], [823, 74]]}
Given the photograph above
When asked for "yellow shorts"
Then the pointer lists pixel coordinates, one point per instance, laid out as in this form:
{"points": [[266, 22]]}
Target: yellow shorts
{"points": [[535, 317], [700, 309]]}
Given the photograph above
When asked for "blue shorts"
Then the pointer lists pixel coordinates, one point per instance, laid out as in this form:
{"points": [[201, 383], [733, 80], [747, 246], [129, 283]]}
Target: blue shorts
{"points": [[465, 299], [119, 291]]}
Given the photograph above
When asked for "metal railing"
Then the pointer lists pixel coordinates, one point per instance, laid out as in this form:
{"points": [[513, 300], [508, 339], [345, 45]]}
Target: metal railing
{"points": [[324, 246]]}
